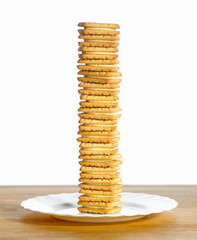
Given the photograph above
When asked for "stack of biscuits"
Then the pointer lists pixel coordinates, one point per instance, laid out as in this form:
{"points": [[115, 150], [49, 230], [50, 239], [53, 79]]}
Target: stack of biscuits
{"points": [[100, 186]]}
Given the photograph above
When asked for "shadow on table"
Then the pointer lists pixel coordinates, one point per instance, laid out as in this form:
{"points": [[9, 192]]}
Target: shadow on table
{"points": [[39, 223]]}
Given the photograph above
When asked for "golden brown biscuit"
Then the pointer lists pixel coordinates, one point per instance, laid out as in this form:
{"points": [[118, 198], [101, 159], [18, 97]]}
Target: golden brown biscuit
{"points": [[98, 139], [98, 56], [99, 61], [93, 128], [95, 163], [90, 151], [99, 204], [98, 32], [99, 104], [99, 74], [99, 80], [100, 116], [99, 92], [99, 109], [98, 98], [99, 85], [101, 180], [99, 37], [99, 133], [98, 68], [99, 145], [100, 198], [100, 192], [97, 122], [98, 49], [98, 44], [100, 175], [100, 210], [100, 169], [100, 157], [111, 187], [98, 25]]}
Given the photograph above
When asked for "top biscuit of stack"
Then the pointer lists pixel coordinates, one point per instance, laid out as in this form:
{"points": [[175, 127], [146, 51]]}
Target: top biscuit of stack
{"points": [[99, 112]]}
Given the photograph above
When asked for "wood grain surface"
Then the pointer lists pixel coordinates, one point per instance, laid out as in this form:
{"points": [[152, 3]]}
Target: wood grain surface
{"points": [[17, 223]]}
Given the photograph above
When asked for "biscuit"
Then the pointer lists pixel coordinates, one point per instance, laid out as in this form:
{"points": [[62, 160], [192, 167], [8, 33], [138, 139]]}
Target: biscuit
{"points": [[99, 145], [99, 80], [98, 56], [100, 198], [99, 85], [89, 151], [100, 157], [97, 128], [99, 37], [98, 98], [99, 92], [98, 25], [111, 187], [99, 74], [99, 104], [99, 109], [100, 169], [99, 133], [100, 175], [101, 180], [99, 61], [112, 192], [95, 163], [98, 68], [98, 49], [99, 204], [99, 44], [96, 139], [99, 210], [96, 32], [97, 122], [100, 116]]}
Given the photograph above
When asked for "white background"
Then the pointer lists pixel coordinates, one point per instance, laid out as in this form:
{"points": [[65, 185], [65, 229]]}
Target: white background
{"points": [[39, 89]]}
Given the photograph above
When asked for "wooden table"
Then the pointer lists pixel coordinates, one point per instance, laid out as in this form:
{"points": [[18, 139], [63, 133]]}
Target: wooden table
{"points": [[17, 223]]}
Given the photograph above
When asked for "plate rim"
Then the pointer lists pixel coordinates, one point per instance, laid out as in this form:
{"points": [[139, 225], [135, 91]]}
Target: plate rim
{"points": [[23, 204]]}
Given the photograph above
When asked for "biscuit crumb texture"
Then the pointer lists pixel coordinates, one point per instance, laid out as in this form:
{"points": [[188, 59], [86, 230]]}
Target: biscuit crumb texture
{"points": [[99, 111]]}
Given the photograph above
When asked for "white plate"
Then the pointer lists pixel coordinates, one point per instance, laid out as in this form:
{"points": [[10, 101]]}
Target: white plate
{"points": [[64, 206]]}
